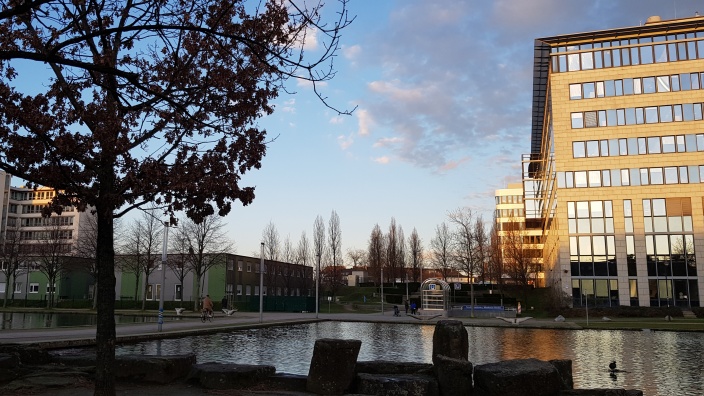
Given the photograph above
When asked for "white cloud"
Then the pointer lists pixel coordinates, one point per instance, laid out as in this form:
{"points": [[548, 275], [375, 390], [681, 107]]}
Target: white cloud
{"points": [[289, 106], [382, 160], [364, 121], [383, 142], [309, 84], [336, 120], [345, 141], [351, 52]]}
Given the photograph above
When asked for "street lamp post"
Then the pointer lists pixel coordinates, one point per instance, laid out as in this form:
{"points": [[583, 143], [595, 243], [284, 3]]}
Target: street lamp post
{"points": [[261, 284], [163, 275], [317, 289], [382, 290]]}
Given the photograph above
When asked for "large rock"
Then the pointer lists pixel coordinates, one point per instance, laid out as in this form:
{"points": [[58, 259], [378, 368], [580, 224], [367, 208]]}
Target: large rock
{"points": [[229, 375], [520, 377], [564, 367], [450, 339], [389, 367], [27, 354], [332, 366], [400, 384], [158, 369], [454, 376]]}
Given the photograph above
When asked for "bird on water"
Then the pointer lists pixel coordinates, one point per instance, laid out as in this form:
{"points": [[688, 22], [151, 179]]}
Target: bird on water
{"points": [[612, 366]]}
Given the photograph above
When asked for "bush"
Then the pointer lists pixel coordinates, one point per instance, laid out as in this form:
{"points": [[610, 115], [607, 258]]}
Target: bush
{"points": [[699, 311]]}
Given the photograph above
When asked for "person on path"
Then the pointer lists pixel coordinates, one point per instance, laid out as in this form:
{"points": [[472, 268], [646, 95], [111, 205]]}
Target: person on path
{"points": [[413, 308], [406, 305], [224, 302], [208, 304]]}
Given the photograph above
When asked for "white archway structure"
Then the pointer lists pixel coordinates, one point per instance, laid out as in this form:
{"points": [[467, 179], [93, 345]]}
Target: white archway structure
{"points": [[435, 295]]}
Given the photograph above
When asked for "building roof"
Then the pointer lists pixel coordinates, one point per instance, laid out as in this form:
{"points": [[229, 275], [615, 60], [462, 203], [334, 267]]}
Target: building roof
{"points": [[541, 58]]}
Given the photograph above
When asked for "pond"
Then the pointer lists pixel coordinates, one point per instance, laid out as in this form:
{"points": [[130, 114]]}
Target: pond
{"points": [[659, 363], [34, 320]]}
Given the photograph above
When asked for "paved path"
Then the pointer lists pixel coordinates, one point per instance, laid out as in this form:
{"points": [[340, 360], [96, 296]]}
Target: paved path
{"points": [[190, 324]]}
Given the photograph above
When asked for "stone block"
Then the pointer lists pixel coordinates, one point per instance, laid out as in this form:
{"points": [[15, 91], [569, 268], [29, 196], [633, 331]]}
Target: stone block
{"points": [[400, 384], [564, 367], [450, 339], [520, 377], [454, 376], [27, 354], [332, 366], [229, 375], [389, 367], [158, 369]]}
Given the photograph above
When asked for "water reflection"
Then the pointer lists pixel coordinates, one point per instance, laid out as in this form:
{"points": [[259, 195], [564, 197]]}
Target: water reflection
{"points": [[659, 363]]}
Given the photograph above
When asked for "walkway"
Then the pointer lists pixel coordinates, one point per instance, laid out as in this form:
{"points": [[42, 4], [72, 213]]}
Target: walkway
{"points": [[191, 324]]}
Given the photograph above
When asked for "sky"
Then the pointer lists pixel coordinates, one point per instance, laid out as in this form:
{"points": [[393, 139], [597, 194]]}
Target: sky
{"points": [[442, 94], [442, 91]]}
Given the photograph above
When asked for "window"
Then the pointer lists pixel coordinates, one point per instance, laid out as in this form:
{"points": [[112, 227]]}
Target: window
{"points": [[34, 288], [50, 289], [249, 267], [3, 287], [178, 292], [239, 290], [248, 290], [18, 287], [575, 91], [577, 121]]}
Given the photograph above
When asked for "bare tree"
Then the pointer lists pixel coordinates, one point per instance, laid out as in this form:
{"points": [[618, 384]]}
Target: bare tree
{"points": [[401, 253], [272, 251], [495, 260], [441, 250], [481, 239], [465, 249], [392, 258], [13, 258], [415, 246], [377, 253], [51, 250], [318, 244], [303, 250], [207, 248], [141, 248], [272, 242], [288, 255], [87, 247], [179, 261], [358, 257], [334, 271], [517, 255]]}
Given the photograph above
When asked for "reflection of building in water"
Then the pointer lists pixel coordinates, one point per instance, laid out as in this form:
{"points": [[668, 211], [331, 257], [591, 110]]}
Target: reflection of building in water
{"points": [[516, 344], [614, 178]]}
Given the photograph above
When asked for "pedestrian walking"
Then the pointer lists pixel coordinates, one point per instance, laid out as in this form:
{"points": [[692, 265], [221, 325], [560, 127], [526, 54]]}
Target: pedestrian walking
{"points": [[406, 306]]}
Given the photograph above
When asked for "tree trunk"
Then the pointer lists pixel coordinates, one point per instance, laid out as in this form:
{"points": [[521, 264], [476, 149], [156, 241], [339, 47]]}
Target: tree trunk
{"points": [[95, 296], [105, 331], [146, 287], [196, 294]]}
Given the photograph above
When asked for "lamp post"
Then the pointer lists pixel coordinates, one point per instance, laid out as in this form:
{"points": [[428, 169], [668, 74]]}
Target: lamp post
{"points": [[317, 288], [261, 284], [382, 290], [163, 275]]}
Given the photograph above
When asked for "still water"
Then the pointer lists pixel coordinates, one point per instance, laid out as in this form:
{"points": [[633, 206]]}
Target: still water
{"points": [[659, 363], [24, 320]]}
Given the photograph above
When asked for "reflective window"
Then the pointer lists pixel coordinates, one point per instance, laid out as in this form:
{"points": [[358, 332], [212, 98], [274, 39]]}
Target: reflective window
{"points": [[592, 148], [578, 149], [654, 145], [668, 144], [649, 85], [663, 83], [589, 91], [575, 91]]}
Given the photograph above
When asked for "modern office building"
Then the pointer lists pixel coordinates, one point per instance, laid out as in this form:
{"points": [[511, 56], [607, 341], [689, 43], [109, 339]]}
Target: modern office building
{"points": [[615, 174], [521, 238]]}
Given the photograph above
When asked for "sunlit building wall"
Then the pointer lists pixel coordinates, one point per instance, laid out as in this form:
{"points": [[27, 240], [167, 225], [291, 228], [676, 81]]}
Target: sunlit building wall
{"points": [[616, 169]]}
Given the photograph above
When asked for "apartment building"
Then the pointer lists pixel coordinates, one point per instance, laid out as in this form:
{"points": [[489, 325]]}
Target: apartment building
{"points": [[614, 177], [45, 243]]}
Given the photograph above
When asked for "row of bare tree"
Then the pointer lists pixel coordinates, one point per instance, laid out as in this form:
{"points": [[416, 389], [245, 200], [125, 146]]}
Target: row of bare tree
{"points": [[193, 249], [463, 246]]}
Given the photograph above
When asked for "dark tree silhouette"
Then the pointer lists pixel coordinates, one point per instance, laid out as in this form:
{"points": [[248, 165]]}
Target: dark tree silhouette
{"points": [[152, 101]]}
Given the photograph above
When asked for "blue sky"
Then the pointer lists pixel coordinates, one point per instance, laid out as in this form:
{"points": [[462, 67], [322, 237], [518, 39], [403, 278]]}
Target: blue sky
{"points": [[443, 89]]}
